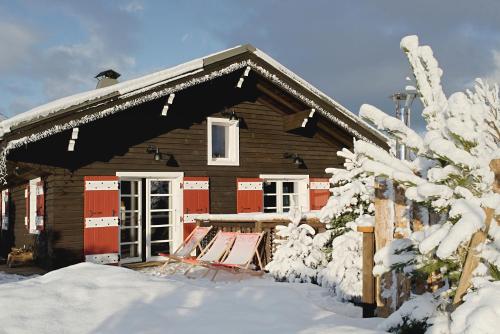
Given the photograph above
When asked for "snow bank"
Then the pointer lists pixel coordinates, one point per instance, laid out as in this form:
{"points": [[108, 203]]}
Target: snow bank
{"points": [[89, 298]]}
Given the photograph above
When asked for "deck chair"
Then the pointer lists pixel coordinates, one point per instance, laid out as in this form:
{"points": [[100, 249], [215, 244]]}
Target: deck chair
{"points": [[192, 242], [240, 257], [215, 251]]}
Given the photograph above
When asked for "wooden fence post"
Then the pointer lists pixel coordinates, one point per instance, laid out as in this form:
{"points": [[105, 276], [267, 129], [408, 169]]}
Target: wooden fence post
{"points": [[384, 234], [472, 259], [368, 301]]}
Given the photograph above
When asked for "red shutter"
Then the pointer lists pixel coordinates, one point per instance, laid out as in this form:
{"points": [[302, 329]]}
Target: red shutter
{"points": [[249, 195], [27, 206], [40, 206], [101, 230], [319, 192], [196, 200], [5, 209]]}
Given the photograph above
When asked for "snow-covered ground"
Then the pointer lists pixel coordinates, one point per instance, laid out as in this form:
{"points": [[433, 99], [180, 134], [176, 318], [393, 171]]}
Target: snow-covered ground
{"points": [[89, 298]]}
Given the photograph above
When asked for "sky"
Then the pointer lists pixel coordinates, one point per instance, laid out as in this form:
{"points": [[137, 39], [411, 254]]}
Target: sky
{"points": [[348, 49]]}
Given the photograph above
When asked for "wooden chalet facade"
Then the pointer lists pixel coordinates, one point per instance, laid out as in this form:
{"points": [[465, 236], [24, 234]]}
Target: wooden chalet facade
{"points": [[117, 174]]}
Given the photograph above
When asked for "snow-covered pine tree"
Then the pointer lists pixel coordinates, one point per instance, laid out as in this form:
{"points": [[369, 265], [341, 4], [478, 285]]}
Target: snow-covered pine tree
{"points": [[450, 174], [350, 204], [297, 256]]}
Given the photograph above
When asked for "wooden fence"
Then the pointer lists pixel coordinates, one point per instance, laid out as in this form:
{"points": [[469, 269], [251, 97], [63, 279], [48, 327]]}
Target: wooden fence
{"points": [[395, 218], [267, 246]]}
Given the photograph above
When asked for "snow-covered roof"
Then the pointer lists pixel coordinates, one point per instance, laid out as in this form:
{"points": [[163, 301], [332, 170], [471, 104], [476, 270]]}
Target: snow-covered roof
{"points": [[148, 82]]}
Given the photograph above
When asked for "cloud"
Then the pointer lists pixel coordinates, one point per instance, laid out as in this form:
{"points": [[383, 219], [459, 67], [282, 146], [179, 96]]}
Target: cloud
{"points": [[57, 70], [133, 7], [494, 77], [17, 44]]}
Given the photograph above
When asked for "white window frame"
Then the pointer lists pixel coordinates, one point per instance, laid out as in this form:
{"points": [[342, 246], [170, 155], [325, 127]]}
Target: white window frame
{"points": [[233, 158], [303, 188]]}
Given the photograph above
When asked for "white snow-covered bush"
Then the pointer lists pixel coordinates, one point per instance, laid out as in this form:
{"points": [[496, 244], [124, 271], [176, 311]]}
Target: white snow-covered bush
{"points": [[448, 173], [298, 256], [343, 274], [350, 204]]}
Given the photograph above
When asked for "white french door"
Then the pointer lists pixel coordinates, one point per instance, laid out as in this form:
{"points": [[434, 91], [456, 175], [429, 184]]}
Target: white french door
{"points": [[130, 220], [150, 217]]}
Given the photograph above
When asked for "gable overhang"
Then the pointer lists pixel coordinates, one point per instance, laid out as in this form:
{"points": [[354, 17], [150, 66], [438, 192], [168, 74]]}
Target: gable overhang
{"points": [[49, 119]]}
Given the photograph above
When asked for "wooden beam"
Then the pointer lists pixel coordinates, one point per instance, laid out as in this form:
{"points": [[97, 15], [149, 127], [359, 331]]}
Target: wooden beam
{"points": [[297, 120], [268, 91], [368, 298]]}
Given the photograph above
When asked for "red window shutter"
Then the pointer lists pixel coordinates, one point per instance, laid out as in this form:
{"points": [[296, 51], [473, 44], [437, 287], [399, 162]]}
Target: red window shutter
{"points": [[5, 209], [40, 206], [249, 195], [196, 200], [27, 206], [319, 192], [101, 230]]}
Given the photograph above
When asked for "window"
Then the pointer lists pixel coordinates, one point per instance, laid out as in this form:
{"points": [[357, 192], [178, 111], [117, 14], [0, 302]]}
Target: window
{"points": [[223, 142], [283, 193]]}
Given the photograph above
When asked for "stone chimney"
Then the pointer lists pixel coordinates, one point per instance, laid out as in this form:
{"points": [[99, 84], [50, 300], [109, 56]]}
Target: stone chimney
{"points": [[107, 78]]}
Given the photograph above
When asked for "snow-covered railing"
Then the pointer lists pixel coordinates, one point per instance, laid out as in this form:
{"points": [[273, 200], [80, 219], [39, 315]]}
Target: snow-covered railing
{"points": [[254, 223]]}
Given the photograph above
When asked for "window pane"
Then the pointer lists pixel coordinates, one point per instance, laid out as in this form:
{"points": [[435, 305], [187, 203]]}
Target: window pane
{"points": [[160, 233], [270, 210], [130, 203], [161, 202], [286, 200], [269, 201], [161, 218], [129, 235], [219, 141], [269, 187], [129, 250], [161, 247], [129, 218], [129, 187], [160, 187], [288, 187]]}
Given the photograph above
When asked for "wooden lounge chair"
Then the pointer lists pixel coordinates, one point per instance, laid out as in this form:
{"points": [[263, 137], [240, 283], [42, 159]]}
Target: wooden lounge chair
{"points": [[239, 259], [192, 242], [215, 251]]}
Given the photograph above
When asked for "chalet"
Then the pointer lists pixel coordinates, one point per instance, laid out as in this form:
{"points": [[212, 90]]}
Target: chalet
{"points": [[118, 174]]}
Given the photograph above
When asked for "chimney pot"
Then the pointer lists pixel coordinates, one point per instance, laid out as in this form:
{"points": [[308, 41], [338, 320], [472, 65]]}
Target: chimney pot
{"points": [[107, 78]]}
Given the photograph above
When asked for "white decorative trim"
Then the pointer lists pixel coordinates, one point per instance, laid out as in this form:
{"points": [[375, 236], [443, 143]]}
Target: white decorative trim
{"points": [[101, 185], [242, 186], [319, 185], [74, 133], [92, 222], [150, 174], [284, 177], [195, 185], [171, 98], [167, 91], [102, 258]]}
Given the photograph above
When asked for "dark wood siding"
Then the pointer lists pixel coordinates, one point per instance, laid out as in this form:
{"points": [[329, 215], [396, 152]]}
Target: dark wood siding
{"points": [[119, 143]]}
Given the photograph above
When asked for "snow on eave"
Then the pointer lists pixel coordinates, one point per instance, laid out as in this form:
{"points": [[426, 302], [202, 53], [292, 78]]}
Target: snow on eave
{"points": [[346, 112]]}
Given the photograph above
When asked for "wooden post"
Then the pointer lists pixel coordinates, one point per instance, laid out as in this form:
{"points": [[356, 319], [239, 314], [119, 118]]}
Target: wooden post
{"points": [[368, 301], [402, 224], [384, 234], [472, 259]]}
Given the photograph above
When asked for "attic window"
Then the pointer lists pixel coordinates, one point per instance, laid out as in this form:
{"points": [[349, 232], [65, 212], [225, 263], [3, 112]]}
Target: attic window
{"points": [[223, 142]]}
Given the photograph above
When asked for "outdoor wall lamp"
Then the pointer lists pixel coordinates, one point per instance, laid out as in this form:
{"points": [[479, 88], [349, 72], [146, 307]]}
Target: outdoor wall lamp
{"points": [[297, 160], [154, 150], [231, 114]]}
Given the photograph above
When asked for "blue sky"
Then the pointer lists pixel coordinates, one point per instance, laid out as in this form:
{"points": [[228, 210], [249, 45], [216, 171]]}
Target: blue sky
{"points": [[349, 49]]}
